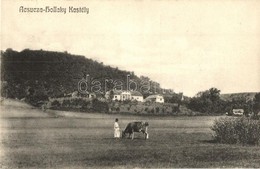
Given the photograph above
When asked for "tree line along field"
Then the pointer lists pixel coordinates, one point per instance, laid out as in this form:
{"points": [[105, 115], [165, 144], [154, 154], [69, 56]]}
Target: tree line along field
{"points": [[31, 138], [118, 107]]}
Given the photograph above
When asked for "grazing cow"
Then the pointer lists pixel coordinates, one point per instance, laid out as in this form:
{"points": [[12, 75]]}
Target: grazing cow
{"points": [[136, 127]]}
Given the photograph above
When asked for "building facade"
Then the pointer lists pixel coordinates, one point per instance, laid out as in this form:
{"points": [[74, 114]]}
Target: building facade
{"points": [[127, 95], [155, 98]]}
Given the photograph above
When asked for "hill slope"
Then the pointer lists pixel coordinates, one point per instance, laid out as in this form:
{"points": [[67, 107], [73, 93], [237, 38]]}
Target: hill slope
{"points": [[231, 96], [54, 74]]}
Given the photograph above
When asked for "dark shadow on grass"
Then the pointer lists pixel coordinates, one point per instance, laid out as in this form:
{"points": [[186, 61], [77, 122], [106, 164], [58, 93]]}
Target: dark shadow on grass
{"points": [[137, 138], [210, 141], [110, 138]]}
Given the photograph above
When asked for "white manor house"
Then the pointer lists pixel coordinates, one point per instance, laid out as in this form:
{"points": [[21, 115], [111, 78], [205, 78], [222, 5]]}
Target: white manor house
{"points": [[133, 95], [126, 95]]}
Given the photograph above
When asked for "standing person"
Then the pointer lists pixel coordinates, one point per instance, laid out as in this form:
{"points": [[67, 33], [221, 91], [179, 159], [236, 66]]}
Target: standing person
{"points": [[116, 129]]}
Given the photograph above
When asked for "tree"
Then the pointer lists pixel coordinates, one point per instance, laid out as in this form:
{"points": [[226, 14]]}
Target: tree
{"points": [[214, 94], [175, 98], [207, 101]]}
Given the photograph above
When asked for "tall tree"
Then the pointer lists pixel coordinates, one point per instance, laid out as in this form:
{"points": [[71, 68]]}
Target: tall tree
{"points": [[207, 102]]}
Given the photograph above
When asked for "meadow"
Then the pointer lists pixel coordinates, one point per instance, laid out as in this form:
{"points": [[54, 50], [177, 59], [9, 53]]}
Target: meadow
{"points": [[31, 138]]}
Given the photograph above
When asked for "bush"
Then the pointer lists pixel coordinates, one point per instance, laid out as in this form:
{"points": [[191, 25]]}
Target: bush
{"points": [[157, 109], [78, 102], [175, 109], [100, 106], [126, 101], [163, 110], [36, 100], [134, 102], [118, 109], [66, 103], [254, 116], [55, 103], [237, 130], [86, 106]]}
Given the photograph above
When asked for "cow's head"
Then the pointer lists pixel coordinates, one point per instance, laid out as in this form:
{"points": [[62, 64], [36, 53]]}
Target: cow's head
{"points": [[144, 126], [123, 134]]}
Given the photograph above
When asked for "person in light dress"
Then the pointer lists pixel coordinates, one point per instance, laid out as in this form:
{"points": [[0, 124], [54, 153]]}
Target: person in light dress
{"points": [[116, 129]]}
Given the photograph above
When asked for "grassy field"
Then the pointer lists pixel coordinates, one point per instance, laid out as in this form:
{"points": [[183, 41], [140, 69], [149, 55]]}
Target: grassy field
{"points": [[31, 138]]}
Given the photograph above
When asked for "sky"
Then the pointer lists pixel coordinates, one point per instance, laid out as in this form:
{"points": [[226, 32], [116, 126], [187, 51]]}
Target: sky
{"points": [[188, 46]]}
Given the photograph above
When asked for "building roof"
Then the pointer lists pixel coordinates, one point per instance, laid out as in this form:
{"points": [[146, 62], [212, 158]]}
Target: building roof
{"points": [[117, 92], [153, 96], [136, 93], [133, 93]]}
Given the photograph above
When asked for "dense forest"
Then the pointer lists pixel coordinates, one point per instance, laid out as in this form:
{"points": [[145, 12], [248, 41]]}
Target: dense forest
{"points": [[55, 74]]}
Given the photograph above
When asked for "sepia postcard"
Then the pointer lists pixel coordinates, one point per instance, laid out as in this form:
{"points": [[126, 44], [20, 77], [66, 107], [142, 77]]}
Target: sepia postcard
{"points": [[130, 84]]}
